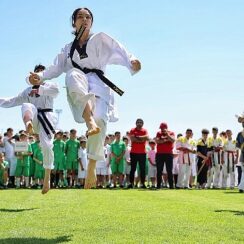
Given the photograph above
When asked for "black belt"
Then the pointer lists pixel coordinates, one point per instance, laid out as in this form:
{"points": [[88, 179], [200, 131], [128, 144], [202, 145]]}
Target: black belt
{"points": [[98, 72], [47, 126]]}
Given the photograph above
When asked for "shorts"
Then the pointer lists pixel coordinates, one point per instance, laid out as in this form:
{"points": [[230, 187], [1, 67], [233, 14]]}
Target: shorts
{"points": [[117, 168], [101, 171], [22, 170], [81, 174], [59, 165], [72, 165], [127, 168], [152, 171], [39, 172]]}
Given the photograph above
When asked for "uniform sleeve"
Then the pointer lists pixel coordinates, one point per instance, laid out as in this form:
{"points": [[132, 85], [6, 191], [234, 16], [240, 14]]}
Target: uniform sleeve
{"points": [[57, 68], [115, 53], [14, 101], [79, 153], [49, 89]]}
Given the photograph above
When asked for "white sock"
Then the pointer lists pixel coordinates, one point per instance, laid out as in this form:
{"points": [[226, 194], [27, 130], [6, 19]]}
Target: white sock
{"points": [[26, 181], [18, 182]]}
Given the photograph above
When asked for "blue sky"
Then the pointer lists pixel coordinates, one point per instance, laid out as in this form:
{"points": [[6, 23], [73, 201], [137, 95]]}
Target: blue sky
{"points": [[191, 54]]}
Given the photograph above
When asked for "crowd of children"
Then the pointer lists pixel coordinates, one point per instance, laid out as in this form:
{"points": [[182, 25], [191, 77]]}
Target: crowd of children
{"points": [[221, 162]]}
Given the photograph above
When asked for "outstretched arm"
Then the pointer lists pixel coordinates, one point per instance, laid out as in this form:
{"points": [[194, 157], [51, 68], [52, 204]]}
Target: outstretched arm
{"points": [[53, 71], [115, 53], [14, 101]]}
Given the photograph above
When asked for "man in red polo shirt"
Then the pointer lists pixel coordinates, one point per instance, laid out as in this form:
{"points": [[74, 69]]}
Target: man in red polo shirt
{"points": [[164, 154], [138, 137]]}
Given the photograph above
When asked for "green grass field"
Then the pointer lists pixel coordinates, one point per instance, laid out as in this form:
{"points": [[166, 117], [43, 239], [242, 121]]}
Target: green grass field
{"points": [[121, 216]]}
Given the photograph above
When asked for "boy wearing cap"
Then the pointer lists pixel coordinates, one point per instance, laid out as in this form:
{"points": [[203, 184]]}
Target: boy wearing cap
{"points": [[164, 154], [127, 165], [152, 164], [101, 166], [82, 167]]}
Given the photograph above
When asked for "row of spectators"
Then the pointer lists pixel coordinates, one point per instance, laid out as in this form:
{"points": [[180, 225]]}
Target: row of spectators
{"points": [[133, 160]]}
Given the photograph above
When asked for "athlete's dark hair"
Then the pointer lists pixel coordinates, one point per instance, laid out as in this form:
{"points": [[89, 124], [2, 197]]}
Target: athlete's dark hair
{"points": [[74, 15], [39, 67]]}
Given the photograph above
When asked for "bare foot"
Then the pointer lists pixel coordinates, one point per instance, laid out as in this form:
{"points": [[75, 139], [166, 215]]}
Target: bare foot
{"points": [[46, 182], [45, 189], [29, 128], [93, 131], [90, 183]]}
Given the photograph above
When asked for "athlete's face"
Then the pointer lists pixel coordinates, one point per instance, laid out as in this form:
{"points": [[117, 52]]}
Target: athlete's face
{"points": [[229, 133], [83, 18], [215, 132], [188, 134], [205, 136]]}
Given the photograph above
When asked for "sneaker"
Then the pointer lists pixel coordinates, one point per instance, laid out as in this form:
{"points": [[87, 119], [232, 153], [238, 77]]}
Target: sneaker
{"points": [[112, 186], [241, 191]]}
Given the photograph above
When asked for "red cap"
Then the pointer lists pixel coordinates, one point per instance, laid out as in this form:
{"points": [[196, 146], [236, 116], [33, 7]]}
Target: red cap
{"points": [[163, 125]]}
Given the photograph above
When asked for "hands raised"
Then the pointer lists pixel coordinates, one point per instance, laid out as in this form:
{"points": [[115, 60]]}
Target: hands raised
{"points": [[136, 65], [34, 79]]}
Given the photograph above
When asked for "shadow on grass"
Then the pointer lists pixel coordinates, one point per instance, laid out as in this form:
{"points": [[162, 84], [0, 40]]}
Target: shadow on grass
{"points": [[235, 212], [35, 240], [232, 192], [16, 210]]}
